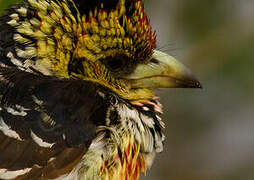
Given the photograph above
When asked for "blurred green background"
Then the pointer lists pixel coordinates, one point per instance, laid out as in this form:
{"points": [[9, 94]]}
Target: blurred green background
{"points": [[5, 3], [210, 132]]}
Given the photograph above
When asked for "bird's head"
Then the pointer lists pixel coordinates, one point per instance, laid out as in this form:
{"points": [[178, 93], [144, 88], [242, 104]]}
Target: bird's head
{"points": [[109, 42]]}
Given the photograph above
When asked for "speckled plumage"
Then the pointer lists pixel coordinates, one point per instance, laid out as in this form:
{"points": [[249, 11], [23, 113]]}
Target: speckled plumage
{"points": [[76, 90]]}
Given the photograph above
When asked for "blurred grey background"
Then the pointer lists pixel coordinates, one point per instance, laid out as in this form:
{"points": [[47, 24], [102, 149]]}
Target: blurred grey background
{"points": [[210, 132]]}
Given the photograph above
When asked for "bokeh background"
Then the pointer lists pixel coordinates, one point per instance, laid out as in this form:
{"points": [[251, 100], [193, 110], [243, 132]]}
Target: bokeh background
{"points": [[210, 132]]}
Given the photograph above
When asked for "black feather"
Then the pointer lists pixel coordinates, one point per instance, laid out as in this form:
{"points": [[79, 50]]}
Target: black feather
{"points": [[75, 107]]}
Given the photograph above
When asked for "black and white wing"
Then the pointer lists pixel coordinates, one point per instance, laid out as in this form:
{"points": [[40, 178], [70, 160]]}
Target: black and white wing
{"points": [[46, 124]]}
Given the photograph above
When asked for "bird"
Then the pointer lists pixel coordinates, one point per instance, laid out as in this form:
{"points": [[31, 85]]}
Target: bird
{"points": [[77, 81]]}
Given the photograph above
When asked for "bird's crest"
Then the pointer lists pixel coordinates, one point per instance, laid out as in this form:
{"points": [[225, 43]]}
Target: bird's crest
{"points": [[56, 32]]}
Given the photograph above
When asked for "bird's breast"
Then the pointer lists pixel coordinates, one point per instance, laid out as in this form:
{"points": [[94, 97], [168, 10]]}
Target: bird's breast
{"points": [[125, 147]]}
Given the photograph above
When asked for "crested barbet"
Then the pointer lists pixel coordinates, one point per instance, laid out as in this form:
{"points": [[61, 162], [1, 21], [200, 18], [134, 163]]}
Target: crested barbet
{"points": [[77, 80]]}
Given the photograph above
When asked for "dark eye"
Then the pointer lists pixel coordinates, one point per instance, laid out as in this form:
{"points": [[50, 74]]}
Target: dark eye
{"points": [[115, 64], [119, 64]]}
